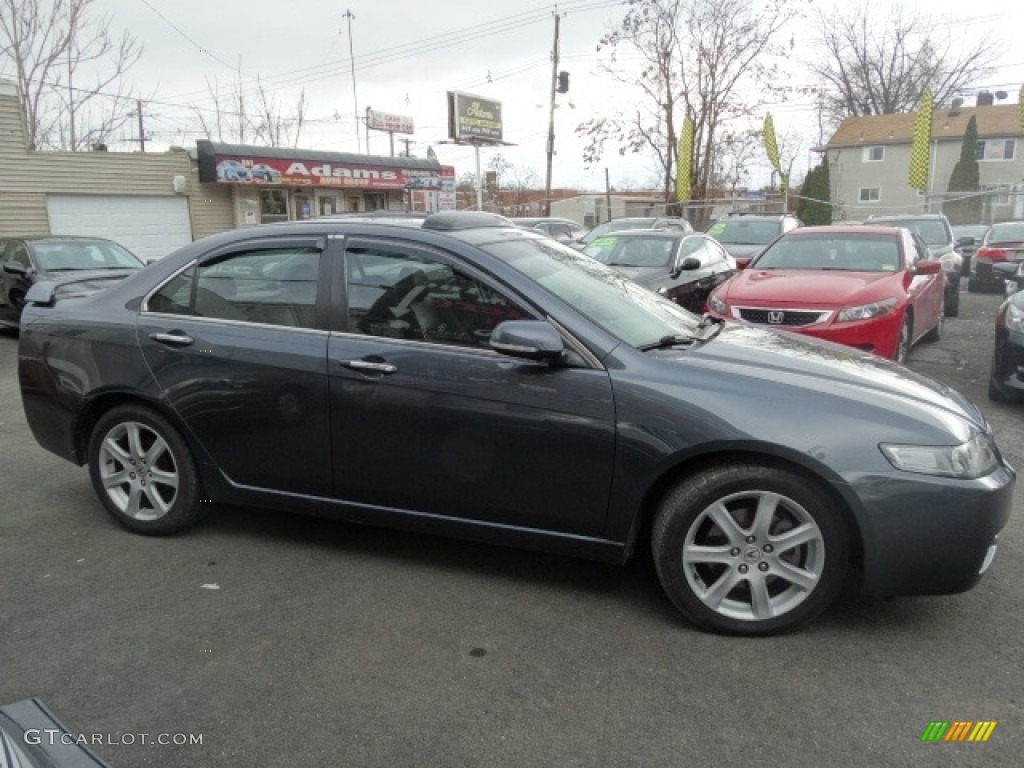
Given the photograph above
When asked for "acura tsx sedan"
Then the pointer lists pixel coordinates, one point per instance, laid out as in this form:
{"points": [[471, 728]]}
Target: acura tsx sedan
{"points": [[459, 375]]}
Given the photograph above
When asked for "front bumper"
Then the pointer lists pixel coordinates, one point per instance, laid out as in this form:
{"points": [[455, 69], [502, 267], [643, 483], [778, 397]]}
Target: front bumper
{"points": [[927, 535]]}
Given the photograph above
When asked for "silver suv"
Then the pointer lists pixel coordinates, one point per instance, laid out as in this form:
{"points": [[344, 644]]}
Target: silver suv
{"points": [[745, 235], [937, 234]]}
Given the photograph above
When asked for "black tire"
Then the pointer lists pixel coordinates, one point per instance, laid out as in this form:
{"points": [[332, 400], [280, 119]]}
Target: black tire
{"points": [[905, 340], [718, 589], [951, 306], [974, 285], [935, 334], [167, 497]]}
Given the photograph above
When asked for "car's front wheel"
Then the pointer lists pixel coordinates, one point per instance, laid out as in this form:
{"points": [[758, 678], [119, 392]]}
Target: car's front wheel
{"points": [[143, 471], [750, 549]]}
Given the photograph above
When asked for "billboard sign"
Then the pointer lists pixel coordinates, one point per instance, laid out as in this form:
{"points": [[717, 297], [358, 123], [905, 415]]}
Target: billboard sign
{"points": [[385, 121], [265, 170], [472, 118]]}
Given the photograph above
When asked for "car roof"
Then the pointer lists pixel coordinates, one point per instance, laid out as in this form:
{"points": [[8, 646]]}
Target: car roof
{"points": [[663, 232], [59, 238], [844, 229]]}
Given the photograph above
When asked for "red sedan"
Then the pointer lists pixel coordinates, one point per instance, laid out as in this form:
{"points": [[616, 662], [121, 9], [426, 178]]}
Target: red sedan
{"points": [[871, 287]]}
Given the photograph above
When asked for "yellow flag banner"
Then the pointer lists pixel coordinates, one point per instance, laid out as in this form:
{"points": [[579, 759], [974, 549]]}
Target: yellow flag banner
{"points": [[919, 149], [771, 147], [684, 160]]}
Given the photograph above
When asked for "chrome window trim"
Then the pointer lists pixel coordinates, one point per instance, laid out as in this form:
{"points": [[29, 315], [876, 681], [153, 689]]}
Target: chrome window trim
{"points": [[144, 307], [235, 323]]}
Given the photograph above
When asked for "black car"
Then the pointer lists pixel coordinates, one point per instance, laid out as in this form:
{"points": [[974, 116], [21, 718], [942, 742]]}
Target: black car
{"points": [[563, 230], [75, 265], [1006, 377], [633, 222], [937, 234], [967, 238], [471, 378], [684, 267], [745, 235], [1003, 243]]}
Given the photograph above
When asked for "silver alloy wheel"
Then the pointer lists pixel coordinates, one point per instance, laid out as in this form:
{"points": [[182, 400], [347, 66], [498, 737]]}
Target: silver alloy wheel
{"points": [[138, 471], [753, 555]]}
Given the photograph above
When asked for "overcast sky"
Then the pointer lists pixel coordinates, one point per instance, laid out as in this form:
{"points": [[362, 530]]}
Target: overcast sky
{"points": [[409, 53]]}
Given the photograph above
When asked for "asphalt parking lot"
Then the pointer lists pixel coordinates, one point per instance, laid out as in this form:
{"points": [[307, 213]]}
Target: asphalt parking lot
{"points": [[283, 640]]}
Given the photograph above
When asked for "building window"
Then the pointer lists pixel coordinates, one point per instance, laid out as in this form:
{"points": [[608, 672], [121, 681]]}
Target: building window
{"points": [[873, 154], [870, 194], [996, 149], [273, 205]]}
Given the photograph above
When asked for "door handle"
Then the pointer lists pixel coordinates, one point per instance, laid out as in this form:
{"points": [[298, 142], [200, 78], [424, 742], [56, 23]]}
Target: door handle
{"points": [[365, 366], [176, 339]]}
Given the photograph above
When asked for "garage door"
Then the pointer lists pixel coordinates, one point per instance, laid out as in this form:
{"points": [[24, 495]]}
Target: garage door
{"points": [[149, 227]]}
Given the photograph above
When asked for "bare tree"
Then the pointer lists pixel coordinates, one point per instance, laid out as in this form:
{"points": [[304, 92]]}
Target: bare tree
{"points": [[231, 118], [699, 57], [878, 63], [69, 69]]}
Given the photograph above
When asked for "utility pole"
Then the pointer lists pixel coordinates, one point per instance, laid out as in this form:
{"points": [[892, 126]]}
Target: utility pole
{"points": [[142, 135], [551, 120], [607, 195], [352, 61]]}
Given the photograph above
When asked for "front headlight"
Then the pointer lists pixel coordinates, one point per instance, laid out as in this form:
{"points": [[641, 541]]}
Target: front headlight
{"points": [[1014, 319], [715, 304], [867, 311], [975, 458]]}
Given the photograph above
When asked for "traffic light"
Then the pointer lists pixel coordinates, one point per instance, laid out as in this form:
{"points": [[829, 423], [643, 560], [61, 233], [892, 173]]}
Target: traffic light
{"points": [[563, 82]]}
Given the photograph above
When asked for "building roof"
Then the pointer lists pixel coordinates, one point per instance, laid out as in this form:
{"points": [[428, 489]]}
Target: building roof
{"points": [[996, 120], [208, 149]]}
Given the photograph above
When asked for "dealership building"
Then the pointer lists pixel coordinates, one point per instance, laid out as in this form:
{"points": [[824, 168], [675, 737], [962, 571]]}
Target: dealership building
{"points": [[155, 202]]}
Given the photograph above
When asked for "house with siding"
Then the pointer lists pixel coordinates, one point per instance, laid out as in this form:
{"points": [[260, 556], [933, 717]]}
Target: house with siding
{"points": [[869, 160]]}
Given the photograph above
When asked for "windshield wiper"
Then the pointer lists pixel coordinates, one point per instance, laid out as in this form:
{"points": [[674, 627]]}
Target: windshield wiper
{"points": [[672, 340]]}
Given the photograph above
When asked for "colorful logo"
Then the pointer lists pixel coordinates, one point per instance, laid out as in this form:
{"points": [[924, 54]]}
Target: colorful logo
{"points": [[958, 730]]}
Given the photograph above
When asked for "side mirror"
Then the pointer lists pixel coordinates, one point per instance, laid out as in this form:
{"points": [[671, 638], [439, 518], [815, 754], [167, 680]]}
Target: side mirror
{"points": [[13, 268], [927, 267], [688, 264], [965, 241], [529, 339], [742, 262]]}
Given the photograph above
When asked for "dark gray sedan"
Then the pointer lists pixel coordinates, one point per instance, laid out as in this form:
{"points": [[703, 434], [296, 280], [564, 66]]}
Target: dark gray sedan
{"points": [[683, 267], [76, 265], [471, 378]]}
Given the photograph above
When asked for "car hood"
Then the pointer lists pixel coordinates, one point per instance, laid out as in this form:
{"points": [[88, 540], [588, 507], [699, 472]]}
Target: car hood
{"points": [[800, 287], [84, 281], [642, 275], [756, 357], [743, 250]]}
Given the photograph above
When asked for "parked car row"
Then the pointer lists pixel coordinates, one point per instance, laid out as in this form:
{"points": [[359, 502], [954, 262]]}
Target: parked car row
{"points": [[461, 375]]}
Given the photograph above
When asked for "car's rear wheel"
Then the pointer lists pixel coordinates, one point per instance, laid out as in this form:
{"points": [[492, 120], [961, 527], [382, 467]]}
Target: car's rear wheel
{"points": [[935, 334], [974, 285], [750, 549], [143, 471]]}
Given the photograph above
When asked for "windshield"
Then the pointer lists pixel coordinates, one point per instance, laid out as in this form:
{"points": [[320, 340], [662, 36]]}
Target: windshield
{"points": [[848, 252], [932, 231], [1006, 233], [977, 232], [83, 254], [632, 251], [605, 297], [617, 226], [741, 232]]}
